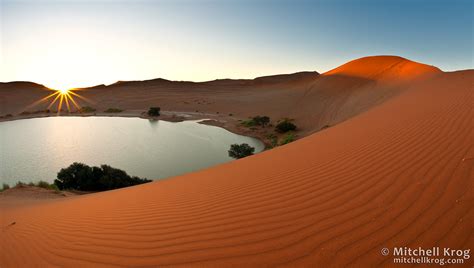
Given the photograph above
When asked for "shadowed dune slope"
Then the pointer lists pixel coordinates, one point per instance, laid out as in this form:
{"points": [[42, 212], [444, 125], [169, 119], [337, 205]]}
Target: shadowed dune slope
{"points": [[400, 174]]}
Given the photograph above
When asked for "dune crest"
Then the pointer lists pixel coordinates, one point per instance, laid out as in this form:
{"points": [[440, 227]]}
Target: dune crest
{"points": [[384, 68]]}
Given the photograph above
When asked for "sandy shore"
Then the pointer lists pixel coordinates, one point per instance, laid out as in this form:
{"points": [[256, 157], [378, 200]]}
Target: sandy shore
{"points": [[395, 169]]}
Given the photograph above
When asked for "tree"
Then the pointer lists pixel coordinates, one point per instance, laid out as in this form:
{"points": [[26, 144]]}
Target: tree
{"points": [[77, 176], [238, 151], [81, 177], [154, 111], [285, 126]]}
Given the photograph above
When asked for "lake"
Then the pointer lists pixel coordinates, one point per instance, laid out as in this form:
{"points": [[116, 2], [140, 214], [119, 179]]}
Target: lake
{"points": [[36, 149]]}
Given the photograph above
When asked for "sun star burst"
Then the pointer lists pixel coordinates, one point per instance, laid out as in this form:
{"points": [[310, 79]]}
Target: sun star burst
{"points": [[63, 91], [60, 98]]}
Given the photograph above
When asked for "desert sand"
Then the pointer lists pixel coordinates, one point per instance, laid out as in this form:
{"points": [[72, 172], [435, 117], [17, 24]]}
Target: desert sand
{"points": [[395, 169]]}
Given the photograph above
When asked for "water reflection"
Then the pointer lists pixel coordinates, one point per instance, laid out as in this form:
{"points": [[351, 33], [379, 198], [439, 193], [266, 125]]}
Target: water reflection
{"points": [[36, 149]]}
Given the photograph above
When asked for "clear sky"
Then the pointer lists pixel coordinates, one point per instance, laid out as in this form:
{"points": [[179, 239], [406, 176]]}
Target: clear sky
{"points": [[82, 43]]}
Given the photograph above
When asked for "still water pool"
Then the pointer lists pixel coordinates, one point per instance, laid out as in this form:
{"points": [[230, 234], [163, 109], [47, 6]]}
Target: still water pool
{"points": [[36, 149]]}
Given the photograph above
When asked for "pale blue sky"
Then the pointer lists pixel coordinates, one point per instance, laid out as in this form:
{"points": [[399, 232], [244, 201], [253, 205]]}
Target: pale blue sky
{"points": [[82, 43]]}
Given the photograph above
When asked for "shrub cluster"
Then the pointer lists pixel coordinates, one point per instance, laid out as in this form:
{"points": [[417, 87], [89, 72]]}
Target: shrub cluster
{"points": [[45, 185], [257, 121], [285, 126], [82, 177], [41, 184], [5, 187], [87, 109], [272, 139], [261, 120], [290, 137], [238, 151], [113, 110], [248, 123], [154, 111]]}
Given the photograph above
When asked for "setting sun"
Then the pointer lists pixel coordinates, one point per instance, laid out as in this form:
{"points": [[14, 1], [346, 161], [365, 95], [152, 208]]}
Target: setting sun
{"points": [[63, 91], [62, 100]]}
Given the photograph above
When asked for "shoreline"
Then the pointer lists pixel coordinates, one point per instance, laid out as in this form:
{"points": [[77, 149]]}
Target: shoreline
{"points": [[229, 123]]}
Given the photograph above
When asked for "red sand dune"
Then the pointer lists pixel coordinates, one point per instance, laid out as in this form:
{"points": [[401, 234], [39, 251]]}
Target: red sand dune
{"points": [[401, 173], [384, 68]]}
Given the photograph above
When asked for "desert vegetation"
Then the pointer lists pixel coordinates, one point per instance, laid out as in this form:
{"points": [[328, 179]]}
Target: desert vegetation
{"points": [[154, 111], [258, 120], [46, 185], [290, 137], [238, 151], [87, 109], [283, 131], [261, 120], [284, 126], [272, 140], [41, 184], [79, 176], [82, 177], [113, 110], [5, 187]]}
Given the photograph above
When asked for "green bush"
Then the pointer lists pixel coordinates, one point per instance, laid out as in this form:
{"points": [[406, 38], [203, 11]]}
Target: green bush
{"points": [[285, 126], [288, 138], [113, 110], [87, 109], [5, 187], [272, 138], [261, 120], [257, 121], [54, 187], [248, 123], [154, 111], [82, 177], [43, 184], [238, 151]]}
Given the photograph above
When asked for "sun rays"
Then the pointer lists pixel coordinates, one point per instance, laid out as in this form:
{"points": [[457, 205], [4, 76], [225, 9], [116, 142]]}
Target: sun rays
{"points": [[62, 100]]}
